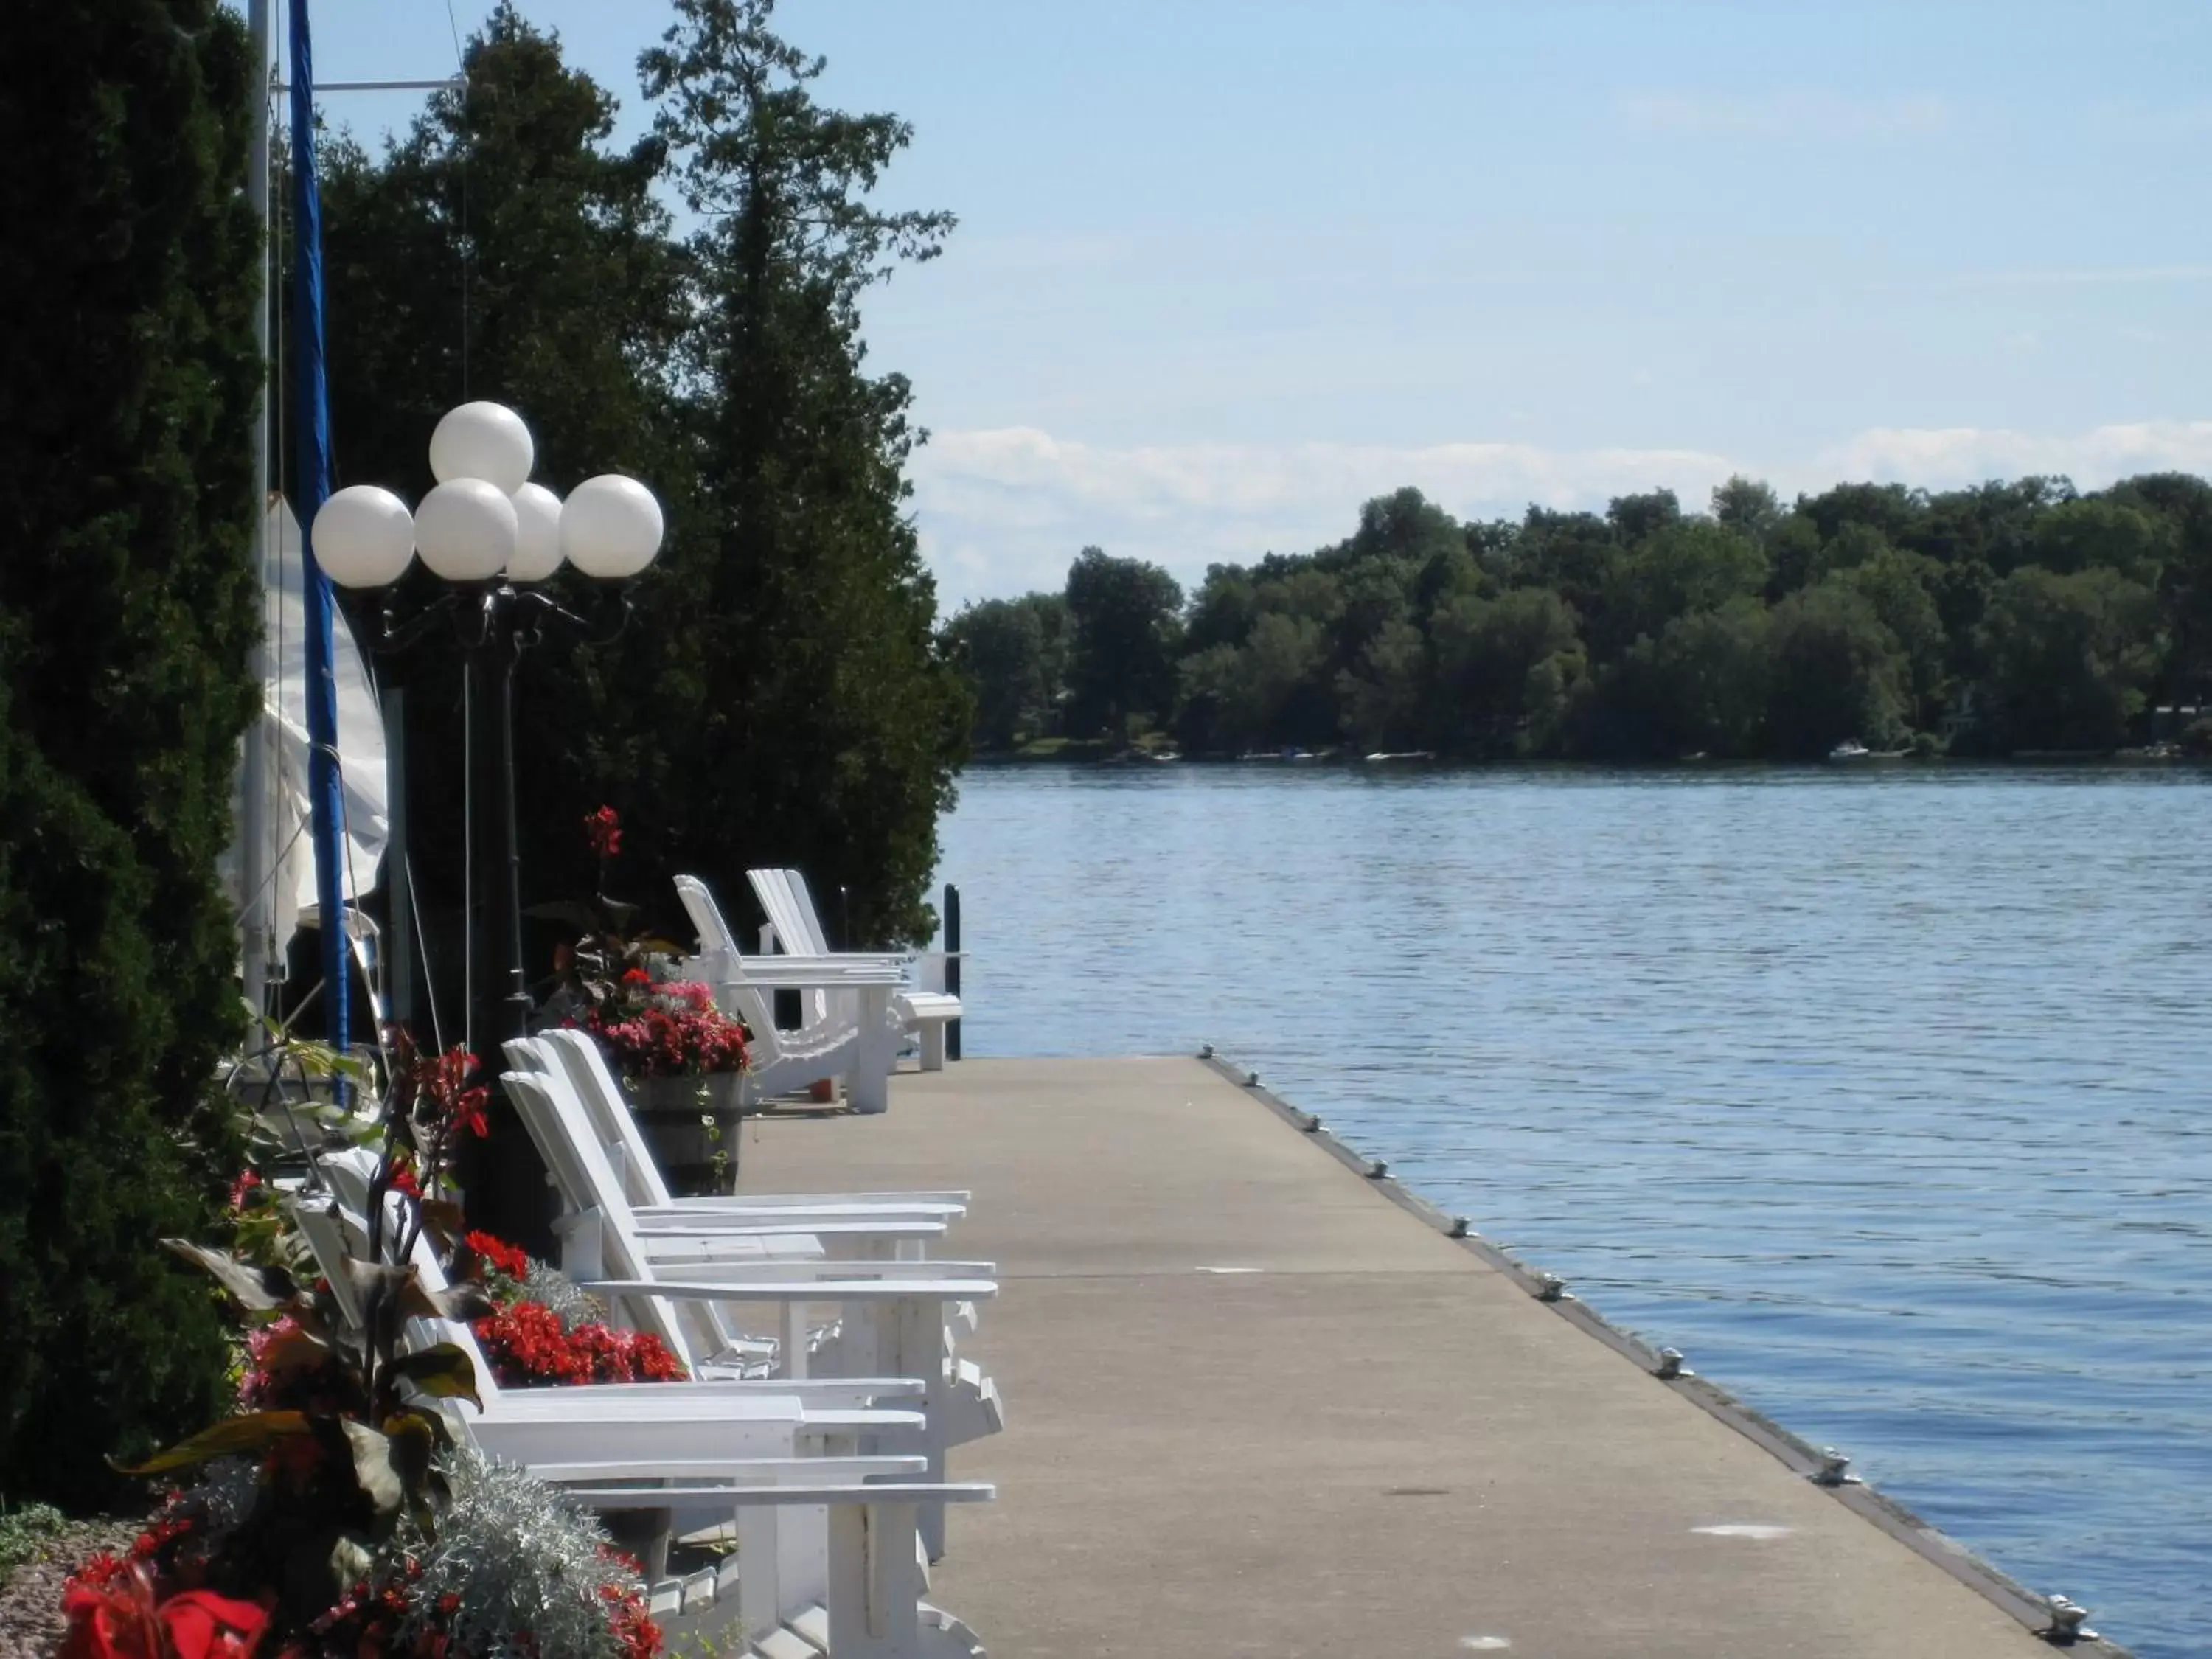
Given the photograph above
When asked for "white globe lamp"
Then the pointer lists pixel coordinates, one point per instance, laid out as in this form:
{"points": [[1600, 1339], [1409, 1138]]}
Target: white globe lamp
{"points": [[466, 529], [610, 528], [537, 534], [363, 537], [482, 441]]}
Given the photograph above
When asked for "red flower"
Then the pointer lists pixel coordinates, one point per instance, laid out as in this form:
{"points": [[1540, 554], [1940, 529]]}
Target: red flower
{"points": [[603, 829], [527, 1346], [442, 1081], [501, 1254], [247, 1182], [469, 1112], [403, 1180], [112, 1614], [202, 1625]]}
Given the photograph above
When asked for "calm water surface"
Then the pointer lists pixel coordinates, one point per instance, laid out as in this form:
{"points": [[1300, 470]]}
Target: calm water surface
{"points": [[1885, 1098]]}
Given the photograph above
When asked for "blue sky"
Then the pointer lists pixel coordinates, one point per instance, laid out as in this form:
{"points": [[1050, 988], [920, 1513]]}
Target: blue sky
{"points": [[1227, 268]]}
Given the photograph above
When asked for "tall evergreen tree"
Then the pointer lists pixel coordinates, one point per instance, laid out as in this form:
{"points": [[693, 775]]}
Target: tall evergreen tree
{"points": [[127, 605], [501, 249], [810, 712]]}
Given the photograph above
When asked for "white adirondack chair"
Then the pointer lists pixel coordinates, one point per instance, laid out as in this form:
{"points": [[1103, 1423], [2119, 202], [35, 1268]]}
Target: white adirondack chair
{"points": [[874, 1225], [678, 1233], [781, 1062], [910, 1219], [821, 1540], [842, 990], [925, 1008], [885, 1335], [921, 1011]]}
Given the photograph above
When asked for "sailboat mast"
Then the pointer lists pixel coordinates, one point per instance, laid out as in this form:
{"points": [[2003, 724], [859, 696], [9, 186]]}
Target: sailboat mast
{"points": [[310, 429]]}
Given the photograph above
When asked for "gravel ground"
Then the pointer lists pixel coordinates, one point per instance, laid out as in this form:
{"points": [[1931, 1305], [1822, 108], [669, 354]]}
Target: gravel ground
{"points": [[31, 1602]]}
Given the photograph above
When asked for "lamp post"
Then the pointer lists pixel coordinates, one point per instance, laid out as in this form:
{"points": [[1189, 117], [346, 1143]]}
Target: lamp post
{"points": [[492, 535]]}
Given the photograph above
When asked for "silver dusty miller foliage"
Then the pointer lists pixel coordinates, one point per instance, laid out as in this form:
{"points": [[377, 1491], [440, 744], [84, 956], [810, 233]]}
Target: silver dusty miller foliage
{"points": [[555, 1290], [524, 1564]]}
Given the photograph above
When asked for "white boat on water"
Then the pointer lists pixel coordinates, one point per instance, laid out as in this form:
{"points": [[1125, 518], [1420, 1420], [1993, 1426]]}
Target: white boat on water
{"points": [[1852, 750]]}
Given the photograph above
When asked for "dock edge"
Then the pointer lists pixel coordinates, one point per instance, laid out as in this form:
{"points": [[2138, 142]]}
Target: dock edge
{"points": [[2032, 1611]]}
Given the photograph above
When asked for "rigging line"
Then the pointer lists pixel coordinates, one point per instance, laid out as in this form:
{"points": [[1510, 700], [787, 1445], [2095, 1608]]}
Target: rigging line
{"points": [[423, 950], [268, 882], [279, 642], [353, 880], [468, 249], [468, 862], [468, 262]]}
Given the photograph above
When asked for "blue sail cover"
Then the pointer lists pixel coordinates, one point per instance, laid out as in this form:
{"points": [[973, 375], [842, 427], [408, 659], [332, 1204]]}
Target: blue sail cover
{"points": [[311, 427]]}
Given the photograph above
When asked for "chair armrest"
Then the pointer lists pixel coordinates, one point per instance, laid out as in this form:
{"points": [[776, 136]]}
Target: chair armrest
{"points": [[902, 1491], [811, 1271], [684, 1469], [786, 1290]]}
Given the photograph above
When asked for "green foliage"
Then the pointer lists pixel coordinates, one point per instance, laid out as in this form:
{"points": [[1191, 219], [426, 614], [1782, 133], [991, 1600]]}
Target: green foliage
{"points": [[1838, 673], [24, 1532], [1249, 689], [1383, 697], [1015, 652], [1872, 612], [2069, 656], [1490, 655], [1123, 615], [1748, 507], [1684, 566], [806, 708], [127, 602], [1895, 584], [1698, 689]]}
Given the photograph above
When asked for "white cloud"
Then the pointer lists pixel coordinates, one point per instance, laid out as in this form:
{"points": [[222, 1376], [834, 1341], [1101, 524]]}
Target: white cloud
{"points": [[1785, 115], [1948, 457], [1003, 511]]}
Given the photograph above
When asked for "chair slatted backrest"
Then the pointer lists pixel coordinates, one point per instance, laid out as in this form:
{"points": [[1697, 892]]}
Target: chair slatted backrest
{"points": [[585, 1067], [594, 1085], [802, 902], [798, 930], [571, 1146], [725, 965]]}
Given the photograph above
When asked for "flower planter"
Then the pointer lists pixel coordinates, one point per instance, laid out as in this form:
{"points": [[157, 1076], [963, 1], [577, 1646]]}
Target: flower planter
{"points": [[691, 1124]]}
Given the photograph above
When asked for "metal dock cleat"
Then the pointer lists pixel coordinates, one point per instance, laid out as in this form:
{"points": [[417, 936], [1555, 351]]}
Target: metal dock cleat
{"points": [[1834, 1470], [2066, 1626]]}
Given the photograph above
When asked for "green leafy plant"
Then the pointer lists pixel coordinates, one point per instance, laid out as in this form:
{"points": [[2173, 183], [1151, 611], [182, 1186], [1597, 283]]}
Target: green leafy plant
{"points": [[24, 1531]]}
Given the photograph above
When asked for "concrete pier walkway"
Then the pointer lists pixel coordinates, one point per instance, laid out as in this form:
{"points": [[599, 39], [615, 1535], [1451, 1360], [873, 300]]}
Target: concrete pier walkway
{"points": [[1255, 1409]]}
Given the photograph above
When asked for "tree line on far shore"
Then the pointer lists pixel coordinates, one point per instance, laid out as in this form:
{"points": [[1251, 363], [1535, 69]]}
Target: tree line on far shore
{"points": [[2022, 616]]}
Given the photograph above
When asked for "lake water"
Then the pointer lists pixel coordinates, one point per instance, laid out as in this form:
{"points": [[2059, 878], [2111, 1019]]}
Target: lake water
{"points": [[1886, 1097]]}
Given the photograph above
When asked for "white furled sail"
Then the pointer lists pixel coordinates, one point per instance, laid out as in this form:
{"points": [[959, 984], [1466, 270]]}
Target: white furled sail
{"points": [[289, 857]]}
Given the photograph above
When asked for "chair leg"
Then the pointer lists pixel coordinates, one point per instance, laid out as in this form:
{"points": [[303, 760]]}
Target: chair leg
{"points": [[875, 1583], [933, 1046]]}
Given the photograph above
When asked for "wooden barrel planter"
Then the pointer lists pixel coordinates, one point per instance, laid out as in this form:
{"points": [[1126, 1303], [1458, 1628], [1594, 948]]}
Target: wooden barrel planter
{"points": [[691, 1124]]}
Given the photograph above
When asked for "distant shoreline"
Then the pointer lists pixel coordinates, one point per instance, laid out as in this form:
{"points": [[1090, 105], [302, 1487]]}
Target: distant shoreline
{"points": [[1087, 756]]}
